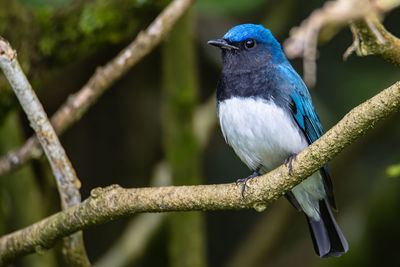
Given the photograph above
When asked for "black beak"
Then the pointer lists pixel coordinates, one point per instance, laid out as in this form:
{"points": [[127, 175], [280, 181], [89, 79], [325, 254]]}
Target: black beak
{"points": [[221, 43]]}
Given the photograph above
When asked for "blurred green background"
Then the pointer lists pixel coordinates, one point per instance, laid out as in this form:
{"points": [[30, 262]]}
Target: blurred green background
{"points": [[147, 115]]}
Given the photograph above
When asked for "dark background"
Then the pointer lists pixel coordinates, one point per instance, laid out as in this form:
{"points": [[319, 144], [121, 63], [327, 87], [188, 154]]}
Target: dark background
{"points": [[120, 139]]}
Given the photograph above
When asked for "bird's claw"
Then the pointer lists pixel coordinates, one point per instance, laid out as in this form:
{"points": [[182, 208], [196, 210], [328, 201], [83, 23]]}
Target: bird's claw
{"points": [[244, 180], [289, 161]]}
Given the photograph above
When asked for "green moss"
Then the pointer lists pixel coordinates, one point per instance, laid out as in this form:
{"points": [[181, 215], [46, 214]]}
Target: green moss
{"points": [[45, 3], [95, 25], [95, 17], [50, 34], [59, 32], [393, 171]]}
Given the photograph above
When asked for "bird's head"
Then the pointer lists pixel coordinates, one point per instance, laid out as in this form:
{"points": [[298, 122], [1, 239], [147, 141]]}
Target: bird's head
{"points": [[249, 46]]}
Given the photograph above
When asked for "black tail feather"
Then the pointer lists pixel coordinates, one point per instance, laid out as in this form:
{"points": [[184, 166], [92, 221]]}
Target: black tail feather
{"points": [[327, 238]]}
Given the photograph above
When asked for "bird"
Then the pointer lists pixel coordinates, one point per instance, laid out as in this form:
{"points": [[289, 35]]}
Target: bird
{"points": [[266, 115]]}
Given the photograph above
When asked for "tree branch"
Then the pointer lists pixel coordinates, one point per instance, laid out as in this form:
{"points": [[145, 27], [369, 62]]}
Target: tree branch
{"points": [[64, 173], [67, 182], [106, 204], [77, 105], [132, 243], [371, 38], [303, 39], [127, 249]]}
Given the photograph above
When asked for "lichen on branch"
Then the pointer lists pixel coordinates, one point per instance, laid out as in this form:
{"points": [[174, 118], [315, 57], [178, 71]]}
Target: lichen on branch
{"points": [[106, 204], [78, 104], [371, 38], [65, 176]]}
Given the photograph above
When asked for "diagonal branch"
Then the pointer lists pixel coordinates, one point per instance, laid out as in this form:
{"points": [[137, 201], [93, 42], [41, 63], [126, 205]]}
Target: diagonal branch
{"points": [[77, 105], [67, 181], [303, 39], [113, 202]]}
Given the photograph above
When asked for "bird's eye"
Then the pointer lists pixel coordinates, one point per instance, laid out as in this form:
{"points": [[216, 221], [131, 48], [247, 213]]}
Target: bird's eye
{"points": [[250, 43]]}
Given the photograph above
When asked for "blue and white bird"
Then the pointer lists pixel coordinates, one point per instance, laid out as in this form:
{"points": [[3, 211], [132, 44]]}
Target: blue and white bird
{"points": [[267, 116]]}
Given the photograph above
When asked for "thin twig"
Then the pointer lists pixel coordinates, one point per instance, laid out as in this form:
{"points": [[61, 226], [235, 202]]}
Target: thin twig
{"points": [[103, 78], [303, 39], [67, 181], [106, 204], [77, 105], [371, 38]]}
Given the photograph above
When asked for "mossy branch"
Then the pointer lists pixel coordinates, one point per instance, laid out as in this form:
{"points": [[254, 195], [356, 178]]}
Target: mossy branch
{"points": [[371, 38], [67, 182], [106, 204], [78, 104], [303, 39]]}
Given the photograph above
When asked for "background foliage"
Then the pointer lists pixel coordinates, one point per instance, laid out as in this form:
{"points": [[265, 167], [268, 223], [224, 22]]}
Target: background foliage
{"points": [[61, 42]]}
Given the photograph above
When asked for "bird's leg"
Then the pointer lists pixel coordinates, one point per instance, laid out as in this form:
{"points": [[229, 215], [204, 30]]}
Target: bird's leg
{"points": [[244, 180], [289, 161]]}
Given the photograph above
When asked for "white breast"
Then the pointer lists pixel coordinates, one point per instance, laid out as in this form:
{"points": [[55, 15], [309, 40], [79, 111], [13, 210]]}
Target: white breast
{"points": [[260, 132], [263, 135]]}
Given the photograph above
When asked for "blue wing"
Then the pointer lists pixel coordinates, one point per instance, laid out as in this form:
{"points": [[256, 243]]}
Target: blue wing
{"points": [[306, 118], [301, 105]]}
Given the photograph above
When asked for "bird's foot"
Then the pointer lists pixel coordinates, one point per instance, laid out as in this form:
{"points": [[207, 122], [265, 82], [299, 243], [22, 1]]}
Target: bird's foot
{"points": [[289, 161], [244, 180]]}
